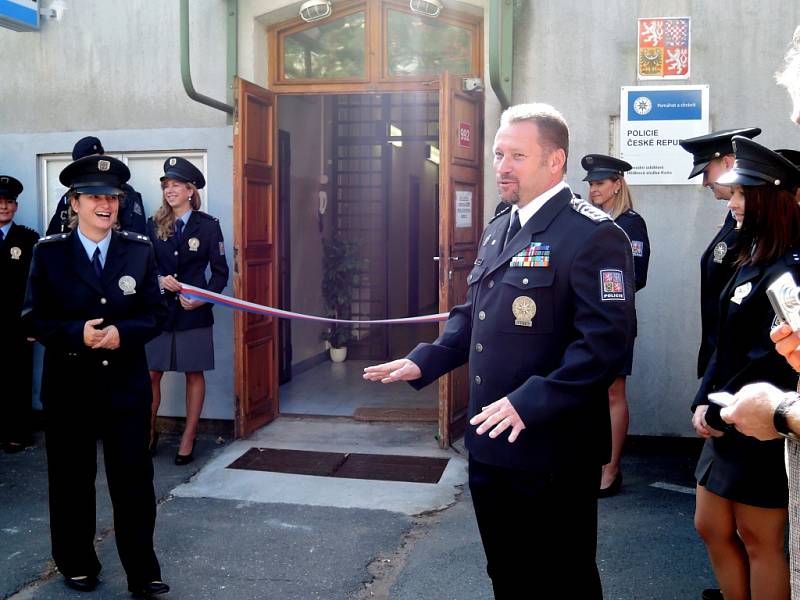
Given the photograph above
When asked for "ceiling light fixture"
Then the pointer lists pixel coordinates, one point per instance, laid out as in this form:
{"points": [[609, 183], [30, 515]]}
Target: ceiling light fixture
{"points": [[314, 10], [429, 8]]}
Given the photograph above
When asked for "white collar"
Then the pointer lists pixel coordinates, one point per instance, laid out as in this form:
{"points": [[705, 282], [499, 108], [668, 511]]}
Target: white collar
{"points": [[532, 207]]}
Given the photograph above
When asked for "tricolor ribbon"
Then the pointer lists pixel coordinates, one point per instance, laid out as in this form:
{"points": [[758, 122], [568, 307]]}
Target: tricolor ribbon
{"points": [[197, 293]]}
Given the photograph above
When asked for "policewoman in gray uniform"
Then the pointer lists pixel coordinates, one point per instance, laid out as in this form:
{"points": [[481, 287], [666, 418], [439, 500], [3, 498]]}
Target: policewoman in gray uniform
{"points": [[741, 482], [16, 250], [93, 302], [609, 192], [187, 241]]}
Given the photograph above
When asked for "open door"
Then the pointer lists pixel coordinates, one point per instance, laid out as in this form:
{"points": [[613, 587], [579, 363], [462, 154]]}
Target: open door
{"points": [[255, 272], [460, 225]]}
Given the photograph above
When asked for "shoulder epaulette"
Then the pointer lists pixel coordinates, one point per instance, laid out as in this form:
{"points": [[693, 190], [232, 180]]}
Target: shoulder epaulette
{"points": [[204, 215], [29, 230], [501, 213], [582, 207], [56, 237], [792, 257], [132, 236]]}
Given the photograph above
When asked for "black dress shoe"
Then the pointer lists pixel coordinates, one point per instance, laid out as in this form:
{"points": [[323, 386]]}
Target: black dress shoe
{"points": [[148, 590], [711, 594], [613, 489], [185, 459], [82, 583]]}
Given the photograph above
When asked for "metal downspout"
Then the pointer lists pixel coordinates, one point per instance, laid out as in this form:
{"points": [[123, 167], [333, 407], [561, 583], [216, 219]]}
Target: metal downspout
{"points": [[186, 74], [501, 45]]}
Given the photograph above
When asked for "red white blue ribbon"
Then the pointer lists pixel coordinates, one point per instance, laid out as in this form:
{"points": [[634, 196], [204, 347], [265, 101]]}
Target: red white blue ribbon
{"points": [[197, 293]]}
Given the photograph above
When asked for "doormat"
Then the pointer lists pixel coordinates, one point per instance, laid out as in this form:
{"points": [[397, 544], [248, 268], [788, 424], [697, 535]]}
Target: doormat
{"points": [[379, 467], [388, 413]]}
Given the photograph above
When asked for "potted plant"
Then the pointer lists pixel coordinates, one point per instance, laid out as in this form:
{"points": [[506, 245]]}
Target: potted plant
{"points": [[340, 275]]}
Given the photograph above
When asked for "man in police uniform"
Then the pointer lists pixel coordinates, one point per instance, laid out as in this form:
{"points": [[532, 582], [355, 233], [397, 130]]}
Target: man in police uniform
{"points": [[547, 322], [16, 249], [131, 208], [93, 301]]}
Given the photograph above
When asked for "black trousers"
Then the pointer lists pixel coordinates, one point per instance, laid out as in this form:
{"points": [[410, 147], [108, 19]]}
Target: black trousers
{"points": [[15, 407], [539, 531], [71, 439]]}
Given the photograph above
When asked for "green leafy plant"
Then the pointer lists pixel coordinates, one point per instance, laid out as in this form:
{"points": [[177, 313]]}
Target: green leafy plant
{"points": [[340, 276]]}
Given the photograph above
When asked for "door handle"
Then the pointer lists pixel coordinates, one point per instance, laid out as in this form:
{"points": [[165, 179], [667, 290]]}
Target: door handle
{"points": [[436, 259], [455, 258]]}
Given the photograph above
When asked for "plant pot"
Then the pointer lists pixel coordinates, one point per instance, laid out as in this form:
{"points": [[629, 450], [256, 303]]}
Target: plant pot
{"points": [[338, 354]]}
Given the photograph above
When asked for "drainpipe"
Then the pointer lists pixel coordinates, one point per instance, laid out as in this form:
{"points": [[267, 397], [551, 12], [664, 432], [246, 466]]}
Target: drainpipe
{"points": [[232, 66], [501, 38]]}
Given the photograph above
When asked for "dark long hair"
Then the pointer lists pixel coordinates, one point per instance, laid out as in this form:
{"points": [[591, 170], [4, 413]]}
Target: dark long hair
{"points": [[771, 225]]}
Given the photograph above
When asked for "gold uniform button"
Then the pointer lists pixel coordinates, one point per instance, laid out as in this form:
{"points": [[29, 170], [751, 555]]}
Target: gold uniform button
{"points": [[491, 283], [103, 300], [105, 363], [478, 379], [478, 347], [481, 315]]}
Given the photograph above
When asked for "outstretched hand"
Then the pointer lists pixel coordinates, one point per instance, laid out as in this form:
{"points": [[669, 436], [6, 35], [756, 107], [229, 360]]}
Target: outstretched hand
{"points": [[401, 369]]}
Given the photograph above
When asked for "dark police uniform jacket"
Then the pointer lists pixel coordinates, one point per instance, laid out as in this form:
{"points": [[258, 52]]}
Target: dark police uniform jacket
{"points": [[201, 245], [555, 372], [735, 466], [716, 269], [633, 224], [16, 251], [131, 215], [64, 292]]}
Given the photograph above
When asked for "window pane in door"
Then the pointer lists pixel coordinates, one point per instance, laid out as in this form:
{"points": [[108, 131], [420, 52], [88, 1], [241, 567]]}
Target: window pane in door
{"points": [[332, 50], [424, 46]]}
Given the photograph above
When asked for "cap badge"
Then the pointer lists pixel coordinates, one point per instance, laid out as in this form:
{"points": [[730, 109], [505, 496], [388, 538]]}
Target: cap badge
{"points": [[173, 162], [194, 244], [16, 253], [524, 309], [103, 165], [127, 284], [720, 250]]}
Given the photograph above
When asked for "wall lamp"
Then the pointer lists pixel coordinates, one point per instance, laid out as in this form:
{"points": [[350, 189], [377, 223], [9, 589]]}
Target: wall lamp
{"points": [[429, 8], [314, 10]]}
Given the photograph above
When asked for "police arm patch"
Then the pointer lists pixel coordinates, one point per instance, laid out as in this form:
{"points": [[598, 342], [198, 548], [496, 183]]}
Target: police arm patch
{"points": [[637, 247], [612, 285]]}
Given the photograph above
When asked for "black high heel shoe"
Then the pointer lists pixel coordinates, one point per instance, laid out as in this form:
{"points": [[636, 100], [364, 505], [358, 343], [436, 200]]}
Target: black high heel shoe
{"points": [[613, 489], [185, 459], [153, 444]]}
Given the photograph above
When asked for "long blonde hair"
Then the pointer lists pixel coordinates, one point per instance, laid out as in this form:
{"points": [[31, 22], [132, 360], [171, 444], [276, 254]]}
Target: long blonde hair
{"points": [[623, 200], [164, 217]]}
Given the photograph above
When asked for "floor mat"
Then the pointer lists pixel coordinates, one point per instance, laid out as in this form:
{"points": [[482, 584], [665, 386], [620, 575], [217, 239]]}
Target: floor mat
{"points": [[388, 413], [383, 467]]}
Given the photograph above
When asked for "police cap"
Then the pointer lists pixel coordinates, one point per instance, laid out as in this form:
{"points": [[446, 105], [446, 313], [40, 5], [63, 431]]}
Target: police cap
{"points": [[86, 147], [96, 174], [10, 187], [756, 165], [181, 169], [793, 156], [706, 148], [600, 166]]}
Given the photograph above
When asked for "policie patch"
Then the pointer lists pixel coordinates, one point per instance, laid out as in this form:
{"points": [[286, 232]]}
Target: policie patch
{"points": [[612, 285], [637, 247]]}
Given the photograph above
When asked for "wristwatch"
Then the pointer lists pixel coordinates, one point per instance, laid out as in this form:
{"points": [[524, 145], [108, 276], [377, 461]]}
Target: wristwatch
{"points": [[781, 412]]}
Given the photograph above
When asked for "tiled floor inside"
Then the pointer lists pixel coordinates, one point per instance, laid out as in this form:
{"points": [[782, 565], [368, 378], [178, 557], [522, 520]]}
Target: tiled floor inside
{"points": [[338, 389]]}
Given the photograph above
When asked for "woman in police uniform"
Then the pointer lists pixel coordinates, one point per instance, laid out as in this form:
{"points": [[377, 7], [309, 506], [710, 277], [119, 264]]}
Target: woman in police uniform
{"points": [[741, 482], [186, 241], [93, 302], [609, 192]]}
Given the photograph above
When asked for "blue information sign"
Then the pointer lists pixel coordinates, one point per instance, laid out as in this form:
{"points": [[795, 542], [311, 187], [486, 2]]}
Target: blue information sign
{"points": [[665, 105], [19, 15]]}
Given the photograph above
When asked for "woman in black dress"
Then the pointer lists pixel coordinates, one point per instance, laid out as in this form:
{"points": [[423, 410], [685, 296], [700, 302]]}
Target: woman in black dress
{"points": [[741, 482], [186, 242], [609, 192], [93, 302]]}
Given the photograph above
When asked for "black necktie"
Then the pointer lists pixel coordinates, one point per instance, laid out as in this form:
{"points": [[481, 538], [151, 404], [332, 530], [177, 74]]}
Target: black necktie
{"points": [[98, 266], [513, 229], [178, 229], [2, 235]]}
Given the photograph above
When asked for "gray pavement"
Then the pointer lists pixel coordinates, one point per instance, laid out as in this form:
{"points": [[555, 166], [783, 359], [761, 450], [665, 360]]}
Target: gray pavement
{"points": [[301, 538]]}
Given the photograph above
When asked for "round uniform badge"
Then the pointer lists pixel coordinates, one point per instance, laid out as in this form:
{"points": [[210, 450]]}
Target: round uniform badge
{"points": [[524, 309], [127, 284], [16, 253], [720, 250], [194, 244]]}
